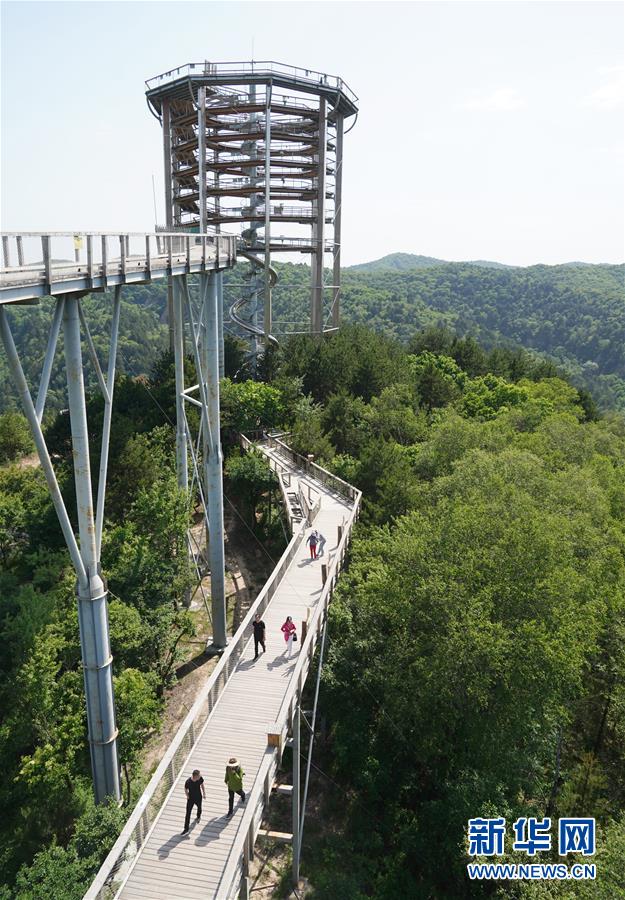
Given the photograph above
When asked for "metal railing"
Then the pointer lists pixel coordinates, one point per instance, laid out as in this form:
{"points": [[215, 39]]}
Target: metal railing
{"points": [[121, 857], [277, 211], [317, 472], [261, 68], [123, 854], [238, 860], [45, 258]]}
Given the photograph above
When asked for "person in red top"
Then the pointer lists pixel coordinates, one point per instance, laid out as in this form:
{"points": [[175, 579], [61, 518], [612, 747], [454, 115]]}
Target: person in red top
{"points": [[288, 630]]}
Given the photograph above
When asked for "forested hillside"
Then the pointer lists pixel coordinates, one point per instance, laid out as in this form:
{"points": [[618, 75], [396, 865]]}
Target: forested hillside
{"points": [[476, 662], [575, 314], [406, 261]]}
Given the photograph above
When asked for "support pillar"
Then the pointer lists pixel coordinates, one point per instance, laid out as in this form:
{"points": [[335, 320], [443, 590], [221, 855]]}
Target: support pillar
{"points": [[267, 311], [338, 199], [91, 593], [169, 209], [181, 434], [219, 276], [296, 791], [213, 462], [316, 312]]}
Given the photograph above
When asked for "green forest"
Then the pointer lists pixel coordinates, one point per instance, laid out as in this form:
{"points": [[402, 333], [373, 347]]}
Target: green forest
{"points": [[476, 662], [573, 314]]}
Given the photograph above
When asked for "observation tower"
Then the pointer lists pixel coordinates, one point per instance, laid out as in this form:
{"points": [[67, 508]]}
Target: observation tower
{"points": [[256, 149]]}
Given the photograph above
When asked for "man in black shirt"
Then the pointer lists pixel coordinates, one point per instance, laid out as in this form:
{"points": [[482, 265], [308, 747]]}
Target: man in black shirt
{"points": [[259, 634], [194, 789]]}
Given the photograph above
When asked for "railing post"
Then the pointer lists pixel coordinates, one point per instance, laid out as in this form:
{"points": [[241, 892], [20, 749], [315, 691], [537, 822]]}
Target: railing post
{"points": [[148, 256], [296, 792], [122, 252], [47, 261], [105, 262], [188, 242], [170, 262], [5, 250], [267, 788], [20, 250], [90, 259]]}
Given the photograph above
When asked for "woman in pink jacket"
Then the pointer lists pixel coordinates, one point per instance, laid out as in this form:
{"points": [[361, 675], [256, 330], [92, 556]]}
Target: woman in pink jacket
{"points": [[288, 630]]}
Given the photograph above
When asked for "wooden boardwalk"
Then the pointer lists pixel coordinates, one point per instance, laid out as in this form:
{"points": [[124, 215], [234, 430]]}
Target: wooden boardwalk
{"points": [[173, 866]]}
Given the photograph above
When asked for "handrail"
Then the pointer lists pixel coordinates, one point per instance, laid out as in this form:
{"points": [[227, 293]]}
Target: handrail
{"points": [[125, 850], [35, 264], [307, 76], [255, 800], [325, 477], [140, 821]]}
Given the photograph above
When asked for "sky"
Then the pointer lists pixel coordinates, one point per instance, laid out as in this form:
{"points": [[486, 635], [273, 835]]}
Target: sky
{"points": [[487, 130]]}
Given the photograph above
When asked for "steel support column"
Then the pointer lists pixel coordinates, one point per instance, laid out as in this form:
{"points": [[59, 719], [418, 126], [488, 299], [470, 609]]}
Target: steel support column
{"points": [[213, 461], [108, 413], [91, 593], [219, 277], [267, 312], [338, 196], [181, 436], [296, 790], [169, 211], [201, 156], [316, 300]]}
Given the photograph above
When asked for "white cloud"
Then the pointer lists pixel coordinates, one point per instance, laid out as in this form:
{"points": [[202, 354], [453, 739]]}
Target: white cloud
{"points": [[501, 100], [610, 94]]}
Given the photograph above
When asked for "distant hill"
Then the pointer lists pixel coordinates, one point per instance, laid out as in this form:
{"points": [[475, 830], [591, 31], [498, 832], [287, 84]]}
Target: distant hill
{"points": [[403, 262], [574, 314]]}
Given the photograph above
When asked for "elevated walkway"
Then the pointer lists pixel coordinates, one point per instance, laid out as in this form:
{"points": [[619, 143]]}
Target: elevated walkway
{"points": [[245, 710], [37, 264]]}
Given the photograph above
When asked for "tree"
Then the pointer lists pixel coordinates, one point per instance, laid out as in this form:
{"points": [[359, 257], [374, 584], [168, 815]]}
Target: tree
{"points": [[251, 478], [15, 439], [486, 395], [307, 436], [250, 405], [137, 715], [438, 379]]}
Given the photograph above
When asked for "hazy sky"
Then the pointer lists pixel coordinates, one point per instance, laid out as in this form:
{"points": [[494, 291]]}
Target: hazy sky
{"points": [[488, 130]]}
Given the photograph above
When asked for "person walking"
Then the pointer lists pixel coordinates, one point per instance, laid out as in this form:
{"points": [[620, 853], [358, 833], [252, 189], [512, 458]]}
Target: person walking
{"points": [[194, 789], [259, 634], [321, 542], [290, 635], [312, 542], [234, 780]]}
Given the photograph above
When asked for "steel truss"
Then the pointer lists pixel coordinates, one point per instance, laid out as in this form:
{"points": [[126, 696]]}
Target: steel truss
{"points": [[91, 592], [204, 329]]}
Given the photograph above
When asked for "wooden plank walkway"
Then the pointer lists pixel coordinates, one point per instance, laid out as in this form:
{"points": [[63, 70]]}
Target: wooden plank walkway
{"points": [[172, 866]]}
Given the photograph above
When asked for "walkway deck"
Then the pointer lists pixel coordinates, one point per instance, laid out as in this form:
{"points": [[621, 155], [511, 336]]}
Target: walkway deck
{"points": [[37, 264], [206, 862]]}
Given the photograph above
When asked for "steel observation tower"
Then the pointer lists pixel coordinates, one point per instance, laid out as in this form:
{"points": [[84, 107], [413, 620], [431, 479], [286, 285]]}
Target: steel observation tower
{"points": [[256, 148]]}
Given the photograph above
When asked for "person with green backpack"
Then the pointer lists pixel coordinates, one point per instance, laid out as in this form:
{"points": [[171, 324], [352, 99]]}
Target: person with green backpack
{"points": [[234, 780]]}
